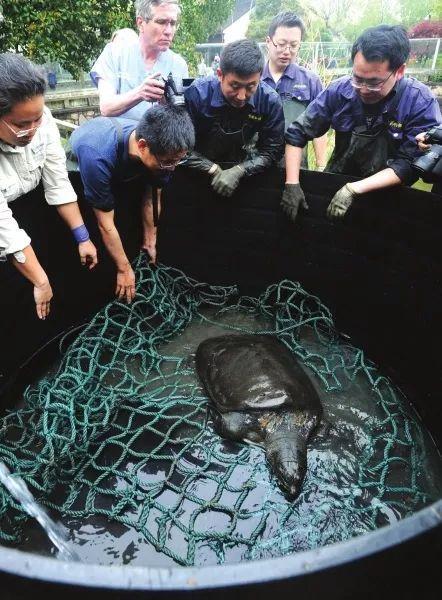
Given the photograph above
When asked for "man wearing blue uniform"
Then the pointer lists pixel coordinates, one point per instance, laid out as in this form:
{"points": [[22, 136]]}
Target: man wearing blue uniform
{"points": [[116, 151], [128, 75], [376, 114], [237, 119], [296, 86]]}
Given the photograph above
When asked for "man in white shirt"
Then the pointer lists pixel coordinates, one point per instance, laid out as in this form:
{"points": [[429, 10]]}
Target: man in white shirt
{"points": [[128, 76], [30, 152]]}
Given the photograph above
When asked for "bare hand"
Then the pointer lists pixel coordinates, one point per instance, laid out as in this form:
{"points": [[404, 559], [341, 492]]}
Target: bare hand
{"points": [[42, 296], [88, 254], [152, 88], [125, 285], [421, 141], [150, 246]]}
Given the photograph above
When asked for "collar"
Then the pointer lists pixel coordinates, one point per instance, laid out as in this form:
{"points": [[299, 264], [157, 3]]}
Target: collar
{"points": [[219, 100], [289, 71], [11, 149]]}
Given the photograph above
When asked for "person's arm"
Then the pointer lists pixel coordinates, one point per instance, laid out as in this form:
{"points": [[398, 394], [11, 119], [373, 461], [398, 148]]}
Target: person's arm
{"points": [[270, 145], [125, 287], [60, 193], [425, 116], [113, 104], [70, 213], [400, 171], [312, 124], [149, 229], [346, 195], [108, 71], [15, 241], [320, 148], [293, 158], [34, 272]]}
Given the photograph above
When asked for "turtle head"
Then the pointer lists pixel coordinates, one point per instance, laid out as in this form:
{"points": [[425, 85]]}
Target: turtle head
{"points": [[287, 457]]}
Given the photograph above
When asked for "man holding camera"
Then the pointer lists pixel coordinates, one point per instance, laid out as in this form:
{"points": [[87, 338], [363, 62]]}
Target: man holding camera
{"points": [[113, 152], [130, 76], [237, 117], [376, 114]]}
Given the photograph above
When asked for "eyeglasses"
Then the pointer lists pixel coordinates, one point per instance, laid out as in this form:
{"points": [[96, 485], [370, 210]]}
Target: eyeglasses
{"points": [[283, 45], [21, 133], [165, 22], [167, 165], [359, 82]]}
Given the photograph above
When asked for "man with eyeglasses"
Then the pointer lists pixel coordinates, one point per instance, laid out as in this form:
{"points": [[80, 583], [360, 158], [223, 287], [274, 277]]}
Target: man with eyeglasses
{"points": [[296, 85], [129, 75], [30, 153], [376, 113], [112, 155], [237, 117]]}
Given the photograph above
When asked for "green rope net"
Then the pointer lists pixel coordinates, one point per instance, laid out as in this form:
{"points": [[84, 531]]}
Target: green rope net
{"points": [[116, 440]]}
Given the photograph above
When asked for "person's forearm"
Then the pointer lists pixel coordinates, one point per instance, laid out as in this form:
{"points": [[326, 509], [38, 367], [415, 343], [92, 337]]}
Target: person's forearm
{"points": [[114, 246], [70, 213], [113, 106], [31, 268], [320, 147], [293, 157], [147, 212], [382, 179]]}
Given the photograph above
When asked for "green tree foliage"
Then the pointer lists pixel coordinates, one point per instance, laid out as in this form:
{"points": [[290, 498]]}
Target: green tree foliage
{"points": [[70, 32], [264, 12], [74, 32], [199, 19]]}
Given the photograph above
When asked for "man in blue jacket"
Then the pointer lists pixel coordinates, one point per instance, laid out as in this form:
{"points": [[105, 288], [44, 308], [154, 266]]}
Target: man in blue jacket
{"points": [[296, 86], [237, 119], [113, 152], [376, 114]]}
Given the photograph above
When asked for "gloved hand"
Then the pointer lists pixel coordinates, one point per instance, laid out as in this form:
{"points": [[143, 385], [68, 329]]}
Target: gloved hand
{"points": [[226, 182], [291, 199], [341, 202]]}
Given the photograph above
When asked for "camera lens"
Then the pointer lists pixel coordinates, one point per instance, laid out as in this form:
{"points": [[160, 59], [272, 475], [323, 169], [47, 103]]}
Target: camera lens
{"points": [[426, 163]]}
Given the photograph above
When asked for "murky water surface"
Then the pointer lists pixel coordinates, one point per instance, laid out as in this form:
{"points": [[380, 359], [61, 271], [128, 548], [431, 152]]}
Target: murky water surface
{"points": [[163, 488]]}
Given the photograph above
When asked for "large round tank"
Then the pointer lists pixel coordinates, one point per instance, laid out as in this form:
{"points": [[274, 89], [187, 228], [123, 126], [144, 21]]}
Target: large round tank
{"points": [[379, 271]]}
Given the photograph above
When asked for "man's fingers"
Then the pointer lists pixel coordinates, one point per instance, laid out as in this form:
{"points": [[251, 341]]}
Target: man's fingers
{"points": [[130, 293], [43, 309], [92, 261]]}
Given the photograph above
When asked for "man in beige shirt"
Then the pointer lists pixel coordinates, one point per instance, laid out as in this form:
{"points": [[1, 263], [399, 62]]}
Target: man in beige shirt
{"points": [[30, 152]]}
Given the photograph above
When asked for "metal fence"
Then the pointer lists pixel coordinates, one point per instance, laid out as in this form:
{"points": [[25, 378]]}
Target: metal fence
{"points": [[425, 57]]}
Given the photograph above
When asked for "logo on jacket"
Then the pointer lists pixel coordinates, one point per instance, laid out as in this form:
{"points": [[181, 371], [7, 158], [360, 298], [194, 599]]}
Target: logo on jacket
{"points": [[395, 125], [253, 117]]}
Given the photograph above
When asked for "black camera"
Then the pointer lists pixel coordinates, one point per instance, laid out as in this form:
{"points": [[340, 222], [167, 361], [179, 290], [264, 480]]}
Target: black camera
{"points": [[429, 165], [173, 93]]}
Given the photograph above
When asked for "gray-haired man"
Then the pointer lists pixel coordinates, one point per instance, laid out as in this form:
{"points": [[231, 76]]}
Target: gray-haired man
{"points": [[127, 75]]}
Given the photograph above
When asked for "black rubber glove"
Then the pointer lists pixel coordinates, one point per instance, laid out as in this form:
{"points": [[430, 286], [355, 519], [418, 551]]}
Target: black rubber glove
{"points": [[200, 163], [226, 182], [292, 197], [341, 202]]}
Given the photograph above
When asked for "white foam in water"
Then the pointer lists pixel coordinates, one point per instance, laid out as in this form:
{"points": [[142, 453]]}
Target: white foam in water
{"points": [[20, 491]]}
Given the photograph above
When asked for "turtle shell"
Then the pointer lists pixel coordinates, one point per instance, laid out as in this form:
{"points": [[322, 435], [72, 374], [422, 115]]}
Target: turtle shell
{"points": [[253, 372]]}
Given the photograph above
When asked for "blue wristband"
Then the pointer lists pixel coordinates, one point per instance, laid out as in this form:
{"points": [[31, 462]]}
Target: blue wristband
{"points": [[81, 234]]}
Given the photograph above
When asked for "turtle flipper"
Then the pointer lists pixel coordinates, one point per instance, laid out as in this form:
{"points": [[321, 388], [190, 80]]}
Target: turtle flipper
{"points": [[237, 426]]}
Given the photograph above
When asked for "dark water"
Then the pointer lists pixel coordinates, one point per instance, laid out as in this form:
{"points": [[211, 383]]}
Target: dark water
{"points": [[162, 488]]}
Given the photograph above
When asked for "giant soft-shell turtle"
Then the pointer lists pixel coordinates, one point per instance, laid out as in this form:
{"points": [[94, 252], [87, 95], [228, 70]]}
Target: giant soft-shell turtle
{"points": [[261, 393]]}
